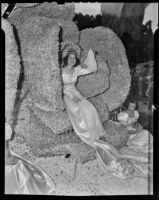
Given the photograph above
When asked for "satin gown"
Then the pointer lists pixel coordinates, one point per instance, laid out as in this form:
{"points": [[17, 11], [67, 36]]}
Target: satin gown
{"points": [[127, 163], [23, 177]]}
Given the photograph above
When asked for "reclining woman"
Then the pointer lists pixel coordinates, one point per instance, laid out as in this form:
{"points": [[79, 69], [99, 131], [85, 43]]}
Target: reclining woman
{"points": [[85, 119]]}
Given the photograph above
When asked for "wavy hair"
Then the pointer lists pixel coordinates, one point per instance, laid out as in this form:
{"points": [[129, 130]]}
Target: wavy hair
{"points": [[65, 60]]}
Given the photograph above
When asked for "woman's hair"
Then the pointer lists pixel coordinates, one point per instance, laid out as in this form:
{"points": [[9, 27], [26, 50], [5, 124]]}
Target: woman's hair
{"points": [[134, 102], [65, 60]]}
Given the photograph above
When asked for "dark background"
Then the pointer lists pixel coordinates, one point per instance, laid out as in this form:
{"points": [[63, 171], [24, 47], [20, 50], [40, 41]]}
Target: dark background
{"points": [[138, 50]]}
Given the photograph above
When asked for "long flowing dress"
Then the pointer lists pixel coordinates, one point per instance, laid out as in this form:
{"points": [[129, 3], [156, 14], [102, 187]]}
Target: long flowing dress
{"points": [[24, 177], [87, 125]]}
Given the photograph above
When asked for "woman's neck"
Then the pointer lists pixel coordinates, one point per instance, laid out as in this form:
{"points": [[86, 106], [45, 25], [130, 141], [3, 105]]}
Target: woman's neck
{"points": [[131, 113], [69, 67]]}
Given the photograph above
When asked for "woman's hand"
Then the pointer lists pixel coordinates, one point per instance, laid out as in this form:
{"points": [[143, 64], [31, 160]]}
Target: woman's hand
{"points": [[90, 61]]}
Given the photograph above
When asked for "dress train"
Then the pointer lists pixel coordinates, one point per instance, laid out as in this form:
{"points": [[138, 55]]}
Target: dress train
{"points": [[23, 177]]}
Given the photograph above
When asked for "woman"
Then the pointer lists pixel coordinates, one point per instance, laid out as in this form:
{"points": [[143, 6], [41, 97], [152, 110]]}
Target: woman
{"points": [[73, 98], [133, 116], [140, 139], [85, 119], [23, 177]]}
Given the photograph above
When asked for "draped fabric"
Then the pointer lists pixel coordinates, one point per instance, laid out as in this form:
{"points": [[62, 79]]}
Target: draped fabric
{"points": [[129, 162], [23, 177]]}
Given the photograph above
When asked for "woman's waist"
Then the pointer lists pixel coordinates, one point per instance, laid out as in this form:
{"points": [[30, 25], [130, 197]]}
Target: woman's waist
{"points": [[68, 88], [69, 85], [71, 91]]}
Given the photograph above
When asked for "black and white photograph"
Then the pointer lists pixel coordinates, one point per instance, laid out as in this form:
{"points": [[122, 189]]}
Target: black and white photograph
{"points": [[79, 98]]}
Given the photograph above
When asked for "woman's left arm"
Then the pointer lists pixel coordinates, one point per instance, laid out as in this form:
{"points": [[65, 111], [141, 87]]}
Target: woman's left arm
{"points": [[136, 117], [89, 65]]}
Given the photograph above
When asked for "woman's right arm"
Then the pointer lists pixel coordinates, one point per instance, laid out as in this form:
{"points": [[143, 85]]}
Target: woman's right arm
{"points": [[89, 65]]}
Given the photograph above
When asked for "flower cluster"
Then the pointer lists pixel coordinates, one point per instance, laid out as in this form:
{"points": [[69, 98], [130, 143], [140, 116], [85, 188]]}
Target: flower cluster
{"points": [[39, 38], [70, 31], [96, 83], [108, 45], [115, 134], [12, 69], [49, 10], [39, 29]]}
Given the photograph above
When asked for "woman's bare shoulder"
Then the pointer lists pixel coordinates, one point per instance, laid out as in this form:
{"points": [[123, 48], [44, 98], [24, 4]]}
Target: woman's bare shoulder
{"points": [[64, 70], [78, 66]]}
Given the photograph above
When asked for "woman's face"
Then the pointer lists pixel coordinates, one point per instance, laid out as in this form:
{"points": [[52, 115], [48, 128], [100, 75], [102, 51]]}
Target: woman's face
{"points": [[71, 59], [132, 106]]}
